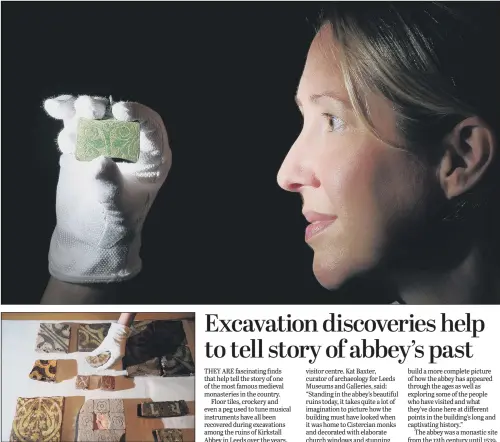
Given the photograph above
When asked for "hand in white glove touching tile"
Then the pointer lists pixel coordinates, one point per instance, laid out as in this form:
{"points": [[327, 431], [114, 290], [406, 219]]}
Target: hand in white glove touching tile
{"points": [[101, 205], [114, 343]]}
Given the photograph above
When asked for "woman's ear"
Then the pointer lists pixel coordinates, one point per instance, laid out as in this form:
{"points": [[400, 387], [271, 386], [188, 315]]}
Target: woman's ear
{"points": [[469, 150]]}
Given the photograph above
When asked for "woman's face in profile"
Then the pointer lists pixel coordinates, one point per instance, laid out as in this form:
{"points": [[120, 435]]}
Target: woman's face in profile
{"points": [[358, 193]]}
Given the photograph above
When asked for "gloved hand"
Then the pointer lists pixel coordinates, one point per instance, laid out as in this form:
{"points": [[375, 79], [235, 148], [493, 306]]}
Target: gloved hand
{"points": [[101, 205], [114, 343]]}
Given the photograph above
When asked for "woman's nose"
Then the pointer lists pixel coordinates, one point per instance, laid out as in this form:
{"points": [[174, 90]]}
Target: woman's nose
{"points": [[295, 174]]}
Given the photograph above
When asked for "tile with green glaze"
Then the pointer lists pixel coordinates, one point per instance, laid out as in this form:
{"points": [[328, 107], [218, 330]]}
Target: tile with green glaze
{"points": [[110, 138]]}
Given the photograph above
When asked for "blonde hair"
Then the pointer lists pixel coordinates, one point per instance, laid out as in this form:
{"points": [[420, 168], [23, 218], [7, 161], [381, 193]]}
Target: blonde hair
{"points": [[423, 57]]}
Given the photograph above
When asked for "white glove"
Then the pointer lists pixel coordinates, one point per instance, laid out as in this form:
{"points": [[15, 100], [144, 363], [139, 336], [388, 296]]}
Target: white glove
{"points": [[101, 205], [114, 342]]}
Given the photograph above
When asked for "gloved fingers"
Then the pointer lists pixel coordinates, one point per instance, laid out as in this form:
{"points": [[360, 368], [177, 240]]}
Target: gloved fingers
{"points": [[131, 111], [113, 360], [66, 108], [155, 156], [66, 140], [91, 107], [61, 107], [101, 349]]}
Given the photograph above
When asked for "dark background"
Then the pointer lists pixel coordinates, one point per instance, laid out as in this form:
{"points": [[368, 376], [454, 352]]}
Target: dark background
{"points": [[223, 77]]}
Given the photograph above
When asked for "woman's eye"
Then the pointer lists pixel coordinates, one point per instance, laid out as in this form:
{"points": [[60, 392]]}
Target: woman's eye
{"points": [[335, 124]]}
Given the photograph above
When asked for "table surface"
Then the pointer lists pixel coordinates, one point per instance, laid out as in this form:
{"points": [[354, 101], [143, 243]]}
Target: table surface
{"points": [[19, 355]]}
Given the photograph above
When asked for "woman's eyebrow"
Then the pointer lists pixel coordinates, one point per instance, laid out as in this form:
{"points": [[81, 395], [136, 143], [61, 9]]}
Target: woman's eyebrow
{"points": [[314, 98]]}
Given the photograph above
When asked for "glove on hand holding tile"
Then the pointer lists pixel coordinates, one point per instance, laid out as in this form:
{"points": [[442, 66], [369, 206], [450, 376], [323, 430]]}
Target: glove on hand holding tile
{"points": [[101, 205], [114, 344]]}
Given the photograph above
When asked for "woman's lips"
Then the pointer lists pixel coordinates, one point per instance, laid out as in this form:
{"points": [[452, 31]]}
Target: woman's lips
{"points": [[319, 222]]}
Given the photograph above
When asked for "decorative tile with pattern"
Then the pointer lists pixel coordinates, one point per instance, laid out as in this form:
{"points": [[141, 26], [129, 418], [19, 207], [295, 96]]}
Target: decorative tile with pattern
{"points": [[82, 382], [98, 360], [53, 338], [101, 420], [90, 336], [178, 363], [167, 435], [44, 370], [162, 409], [138, 326], [107, 383], [38, 419]]}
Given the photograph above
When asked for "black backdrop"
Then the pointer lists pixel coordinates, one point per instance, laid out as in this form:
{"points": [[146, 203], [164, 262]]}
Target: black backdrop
{"points": [[222, 76]]}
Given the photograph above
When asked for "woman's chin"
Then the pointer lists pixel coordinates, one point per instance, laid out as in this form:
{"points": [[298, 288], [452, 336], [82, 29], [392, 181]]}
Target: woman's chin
{"points": [[334, 271], [328, 273]]}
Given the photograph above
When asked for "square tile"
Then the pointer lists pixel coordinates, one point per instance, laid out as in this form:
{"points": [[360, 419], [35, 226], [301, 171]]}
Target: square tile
{"points": [[117, 421], [88, 406], [107, 383], [53, 338], [116, 406], [101, 406], [38, 419], [90, 336], [85, 435], [86, 421], [82, 382]]}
